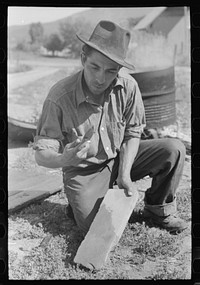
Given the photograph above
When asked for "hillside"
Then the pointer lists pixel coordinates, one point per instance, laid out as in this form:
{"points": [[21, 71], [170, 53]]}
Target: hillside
{"points": [[119, 15]]}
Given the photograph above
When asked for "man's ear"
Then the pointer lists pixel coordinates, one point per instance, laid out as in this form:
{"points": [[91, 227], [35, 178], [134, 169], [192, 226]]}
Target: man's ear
{"points": [[83, 58]]}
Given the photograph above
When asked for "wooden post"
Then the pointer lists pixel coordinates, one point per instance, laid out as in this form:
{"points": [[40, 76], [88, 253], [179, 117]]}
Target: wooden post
{"points": [[106, 229]]}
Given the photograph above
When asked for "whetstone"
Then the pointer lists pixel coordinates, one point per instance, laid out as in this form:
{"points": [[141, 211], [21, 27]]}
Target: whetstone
{"points": [[106, 228]]}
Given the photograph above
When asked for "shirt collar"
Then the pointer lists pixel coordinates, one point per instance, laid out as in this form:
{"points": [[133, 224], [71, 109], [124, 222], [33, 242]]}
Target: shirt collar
{"points": [[79, 94], [118, 81]]}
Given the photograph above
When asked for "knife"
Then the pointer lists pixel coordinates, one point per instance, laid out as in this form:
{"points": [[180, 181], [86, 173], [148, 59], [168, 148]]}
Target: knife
{"points": [[89, 134]]}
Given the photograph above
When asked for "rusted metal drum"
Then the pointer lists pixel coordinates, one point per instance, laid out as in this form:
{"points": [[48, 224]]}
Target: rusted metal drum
{"points": [[158, 93]]}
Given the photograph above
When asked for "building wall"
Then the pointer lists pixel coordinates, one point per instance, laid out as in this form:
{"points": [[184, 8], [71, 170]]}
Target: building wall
{"points": [[177, 36], [174, 25], [165, 22]]}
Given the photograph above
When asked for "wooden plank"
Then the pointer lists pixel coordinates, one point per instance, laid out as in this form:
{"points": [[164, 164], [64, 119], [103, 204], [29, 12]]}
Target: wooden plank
{"points": [[26, 179], [106, 229], [38, 182], [23, 199], [21, 180], [11, 193], [21, 130], [25, 188]]}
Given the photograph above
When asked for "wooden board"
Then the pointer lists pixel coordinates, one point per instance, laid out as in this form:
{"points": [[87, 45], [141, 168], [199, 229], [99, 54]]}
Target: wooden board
{"points": [[25, 187], [20, 130], [106, 229]]}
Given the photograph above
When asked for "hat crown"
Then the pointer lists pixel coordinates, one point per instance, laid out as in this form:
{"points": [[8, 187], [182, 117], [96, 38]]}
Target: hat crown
{"points": [[111, 38]]}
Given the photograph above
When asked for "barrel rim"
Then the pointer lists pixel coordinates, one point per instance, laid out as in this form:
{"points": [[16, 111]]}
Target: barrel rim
{"points": [[158, 92], [149, 69], [20, 123]]}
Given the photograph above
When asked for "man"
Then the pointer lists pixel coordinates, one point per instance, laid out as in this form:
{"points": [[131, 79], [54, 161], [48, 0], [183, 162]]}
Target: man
{"points": [[91, 126]]}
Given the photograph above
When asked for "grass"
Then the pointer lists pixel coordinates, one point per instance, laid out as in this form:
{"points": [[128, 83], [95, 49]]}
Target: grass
{"points": [[183, 101], [143, 252], [49, 247]]}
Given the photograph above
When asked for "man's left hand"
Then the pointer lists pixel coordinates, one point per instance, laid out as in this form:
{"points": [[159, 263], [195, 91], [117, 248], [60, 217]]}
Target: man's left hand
{"points": [[126, 184]]}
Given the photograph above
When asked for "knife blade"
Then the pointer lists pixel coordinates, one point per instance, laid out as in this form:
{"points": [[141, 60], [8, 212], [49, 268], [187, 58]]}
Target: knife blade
{"points": [[88, 135]]}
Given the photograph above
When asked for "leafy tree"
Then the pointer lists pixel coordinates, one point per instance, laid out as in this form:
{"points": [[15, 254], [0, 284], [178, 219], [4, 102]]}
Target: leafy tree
{"points": [[36, 33], [53, 43], [68, 31], [20, 46]]}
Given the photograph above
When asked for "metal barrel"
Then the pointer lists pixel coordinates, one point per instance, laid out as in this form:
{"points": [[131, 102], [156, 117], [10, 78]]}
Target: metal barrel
{"points": [[158, 93]]}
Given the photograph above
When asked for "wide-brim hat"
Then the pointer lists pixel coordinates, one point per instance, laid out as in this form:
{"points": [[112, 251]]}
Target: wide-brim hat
{"points": [[111, 40]]}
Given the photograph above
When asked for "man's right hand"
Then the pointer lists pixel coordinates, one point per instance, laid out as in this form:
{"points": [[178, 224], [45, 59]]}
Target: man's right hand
{"points": [[75, 152]]}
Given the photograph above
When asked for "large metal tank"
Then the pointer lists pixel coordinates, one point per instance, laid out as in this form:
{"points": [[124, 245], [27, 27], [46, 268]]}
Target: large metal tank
{"points": [[158, 92]]}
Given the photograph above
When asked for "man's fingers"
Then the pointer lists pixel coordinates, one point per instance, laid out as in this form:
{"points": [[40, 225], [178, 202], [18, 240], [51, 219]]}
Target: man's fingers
{"points": [[82, 148], [74, 143], [128, 186], [129, 192]]}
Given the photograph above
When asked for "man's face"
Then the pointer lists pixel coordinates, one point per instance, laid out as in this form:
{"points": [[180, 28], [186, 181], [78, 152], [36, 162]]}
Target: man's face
{"points": [[99, 71]]}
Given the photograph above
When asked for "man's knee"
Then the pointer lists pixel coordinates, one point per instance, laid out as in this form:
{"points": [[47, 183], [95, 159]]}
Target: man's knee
{"points": [[175, 145], [174, 148]]}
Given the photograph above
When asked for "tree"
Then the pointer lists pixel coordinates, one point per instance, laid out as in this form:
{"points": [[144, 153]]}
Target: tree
{"points": [[20, 46], [36, 33], [53, 43], [68, 31]]}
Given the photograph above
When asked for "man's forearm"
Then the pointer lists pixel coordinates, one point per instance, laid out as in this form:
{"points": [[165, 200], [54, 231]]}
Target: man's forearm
{"points": [[72, 155], [128, 153], [48, 158]]}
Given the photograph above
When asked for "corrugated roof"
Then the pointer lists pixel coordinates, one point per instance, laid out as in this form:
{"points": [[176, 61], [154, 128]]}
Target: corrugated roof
{"points": [[149, 18]]}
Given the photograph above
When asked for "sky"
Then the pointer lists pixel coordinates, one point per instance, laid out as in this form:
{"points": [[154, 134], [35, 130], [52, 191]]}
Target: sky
{"points": [[26, 15]]}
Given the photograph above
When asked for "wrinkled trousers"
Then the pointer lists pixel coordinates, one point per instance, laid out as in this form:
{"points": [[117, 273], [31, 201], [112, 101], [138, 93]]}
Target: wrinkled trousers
{"points": [[161, 159]]}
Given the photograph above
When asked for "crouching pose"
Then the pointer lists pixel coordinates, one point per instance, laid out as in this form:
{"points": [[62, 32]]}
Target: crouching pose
{"points": [[91, 125]]}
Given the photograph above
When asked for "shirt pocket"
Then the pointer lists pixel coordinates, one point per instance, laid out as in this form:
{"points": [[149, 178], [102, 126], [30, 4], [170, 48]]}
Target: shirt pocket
{"points": [[118, 130]]}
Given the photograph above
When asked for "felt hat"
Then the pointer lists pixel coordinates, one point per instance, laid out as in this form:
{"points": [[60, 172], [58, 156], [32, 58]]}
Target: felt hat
{"points": [[111, 40]]}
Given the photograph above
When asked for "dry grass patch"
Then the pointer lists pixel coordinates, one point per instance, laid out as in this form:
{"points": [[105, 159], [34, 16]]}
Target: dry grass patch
{"points": [[43, 242]]}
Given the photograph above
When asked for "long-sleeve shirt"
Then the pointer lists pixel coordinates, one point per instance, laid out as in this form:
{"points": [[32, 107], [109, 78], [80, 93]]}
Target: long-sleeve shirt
{"points": [[67, 114]]}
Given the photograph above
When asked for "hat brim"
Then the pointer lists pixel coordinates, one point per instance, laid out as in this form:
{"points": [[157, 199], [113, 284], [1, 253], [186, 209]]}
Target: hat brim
{"points": [[107, 54]]}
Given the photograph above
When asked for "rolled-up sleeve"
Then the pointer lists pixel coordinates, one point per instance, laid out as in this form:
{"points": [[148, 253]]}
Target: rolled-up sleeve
{"points": [[134, 114], [49, 134]]}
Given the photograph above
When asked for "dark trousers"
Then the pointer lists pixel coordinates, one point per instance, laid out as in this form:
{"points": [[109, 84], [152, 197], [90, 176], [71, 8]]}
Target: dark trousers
{"points": [[161, 159]]}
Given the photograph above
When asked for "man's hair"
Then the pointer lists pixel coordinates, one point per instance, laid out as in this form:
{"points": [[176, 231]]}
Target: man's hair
{"points": [[87, 50]]}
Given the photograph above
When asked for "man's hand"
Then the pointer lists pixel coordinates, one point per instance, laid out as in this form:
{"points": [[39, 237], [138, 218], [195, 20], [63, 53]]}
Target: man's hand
{"points": [[75, 152], [126, 184], [128, 153]]}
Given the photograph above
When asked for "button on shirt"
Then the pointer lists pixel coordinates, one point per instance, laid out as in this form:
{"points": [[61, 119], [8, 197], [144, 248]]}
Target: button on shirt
{"points": [[68, 114]]}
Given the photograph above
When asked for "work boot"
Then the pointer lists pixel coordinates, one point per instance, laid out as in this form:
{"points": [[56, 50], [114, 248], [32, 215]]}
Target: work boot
{"points": [[171, 223]]}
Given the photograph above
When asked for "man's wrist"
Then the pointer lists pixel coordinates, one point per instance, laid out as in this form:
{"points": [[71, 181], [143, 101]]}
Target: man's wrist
{"points": [[61, 159], [124, 175]]}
